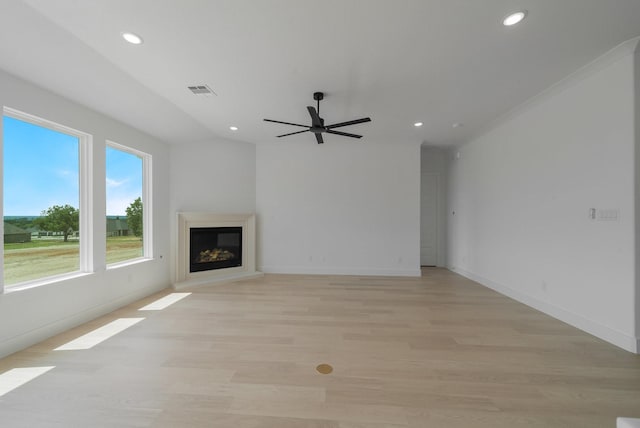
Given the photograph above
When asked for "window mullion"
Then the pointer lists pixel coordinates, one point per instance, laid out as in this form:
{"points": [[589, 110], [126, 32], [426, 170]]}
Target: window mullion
{"points": [[86, 204]]}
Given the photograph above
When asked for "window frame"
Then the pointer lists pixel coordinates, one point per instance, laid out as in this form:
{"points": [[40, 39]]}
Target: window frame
{"points": [[147, 206], [85, 197]]}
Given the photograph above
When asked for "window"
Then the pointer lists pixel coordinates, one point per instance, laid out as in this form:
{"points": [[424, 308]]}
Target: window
{"points": [[127, 202], [44, 212]]}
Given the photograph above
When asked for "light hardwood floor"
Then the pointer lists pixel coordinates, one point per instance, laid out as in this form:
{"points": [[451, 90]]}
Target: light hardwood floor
{"points": [[437, 351]]}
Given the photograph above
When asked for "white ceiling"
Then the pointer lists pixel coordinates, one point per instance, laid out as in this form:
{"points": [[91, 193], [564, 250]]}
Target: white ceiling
{"points": [[397, 61]]}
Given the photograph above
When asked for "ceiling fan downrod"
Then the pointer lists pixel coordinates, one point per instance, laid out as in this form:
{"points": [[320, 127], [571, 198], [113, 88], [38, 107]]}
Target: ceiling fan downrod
{"points": [[318, 96]]}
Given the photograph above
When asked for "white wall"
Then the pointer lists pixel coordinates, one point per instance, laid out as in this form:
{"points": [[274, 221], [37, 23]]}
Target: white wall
{"points": [[637, 190], [218, 176], [522, 192], [212, 176], [434, 162], [29, 316], [344, 207]]}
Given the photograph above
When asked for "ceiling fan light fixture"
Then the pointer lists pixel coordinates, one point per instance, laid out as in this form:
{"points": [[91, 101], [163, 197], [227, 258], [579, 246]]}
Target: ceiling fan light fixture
{"points": [[132, 38], [514, 18]]}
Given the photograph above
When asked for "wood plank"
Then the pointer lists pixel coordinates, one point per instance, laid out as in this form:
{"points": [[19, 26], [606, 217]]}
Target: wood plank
{"points": [[436, 351]]}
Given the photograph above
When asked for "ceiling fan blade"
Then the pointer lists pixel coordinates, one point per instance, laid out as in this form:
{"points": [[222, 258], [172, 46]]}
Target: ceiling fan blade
{"points": [[286, 123], [351, 122], [292, 133], [315, 118], [344, 134], [319, 139]]}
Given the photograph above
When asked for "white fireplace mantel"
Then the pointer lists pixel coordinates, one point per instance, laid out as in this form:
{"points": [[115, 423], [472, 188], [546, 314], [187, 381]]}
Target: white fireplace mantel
{"points": [[188, 220]]}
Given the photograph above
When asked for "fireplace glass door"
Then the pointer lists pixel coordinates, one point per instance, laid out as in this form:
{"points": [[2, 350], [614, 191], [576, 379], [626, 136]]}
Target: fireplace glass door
{"points": [[215, 248]]}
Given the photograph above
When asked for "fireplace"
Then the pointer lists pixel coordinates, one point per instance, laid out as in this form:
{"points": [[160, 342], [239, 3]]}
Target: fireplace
{"points": [[213, 248]]}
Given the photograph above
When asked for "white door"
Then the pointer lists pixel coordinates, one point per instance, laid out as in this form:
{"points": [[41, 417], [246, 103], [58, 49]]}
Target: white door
{"points": [[429, 190]]}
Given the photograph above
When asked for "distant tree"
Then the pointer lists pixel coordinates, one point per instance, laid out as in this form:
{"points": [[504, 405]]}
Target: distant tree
{"points": [[59, 218], [134, 217]]}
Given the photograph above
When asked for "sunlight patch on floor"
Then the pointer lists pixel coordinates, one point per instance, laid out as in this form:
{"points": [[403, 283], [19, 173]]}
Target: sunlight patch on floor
{"points": [[14, 378], [164, 302], [99, 335]]}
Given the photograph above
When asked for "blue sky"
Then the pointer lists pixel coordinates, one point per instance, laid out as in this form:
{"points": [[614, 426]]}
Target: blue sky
{"points": [[41, 169], [124, 180]]}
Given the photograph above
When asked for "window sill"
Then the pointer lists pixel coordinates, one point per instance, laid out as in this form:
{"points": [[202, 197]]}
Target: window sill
{"points": [[129, 262], [42, 282]]}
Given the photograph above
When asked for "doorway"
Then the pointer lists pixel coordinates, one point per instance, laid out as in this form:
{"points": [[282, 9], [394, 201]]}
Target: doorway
{"points": [[429, 218]]}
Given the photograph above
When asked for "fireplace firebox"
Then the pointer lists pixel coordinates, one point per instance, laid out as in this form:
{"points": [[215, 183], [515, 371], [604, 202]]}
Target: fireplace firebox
{"points": [[214, 248]]}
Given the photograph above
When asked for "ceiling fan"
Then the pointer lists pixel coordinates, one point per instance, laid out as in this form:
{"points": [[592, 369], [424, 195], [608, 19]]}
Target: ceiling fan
{"points": [[317, 123]]}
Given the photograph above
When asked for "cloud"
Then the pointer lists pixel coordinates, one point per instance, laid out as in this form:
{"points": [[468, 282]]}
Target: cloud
{"points": [[64, 173], [118, 205], [115, 183]]}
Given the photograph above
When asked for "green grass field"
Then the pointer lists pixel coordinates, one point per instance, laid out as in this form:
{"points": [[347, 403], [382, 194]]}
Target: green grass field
{"points": [[40, 243], [46, 257], [122, 248]]}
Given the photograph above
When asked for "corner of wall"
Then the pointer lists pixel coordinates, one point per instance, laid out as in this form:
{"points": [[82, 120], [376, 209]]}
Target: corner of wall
{"points": [[636, 79]]}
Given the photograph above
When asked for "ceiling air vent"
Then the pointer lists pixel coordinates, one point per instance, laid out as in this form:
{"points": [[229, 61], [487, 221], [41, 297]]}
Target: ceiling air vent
{"points": [[201, 90]]}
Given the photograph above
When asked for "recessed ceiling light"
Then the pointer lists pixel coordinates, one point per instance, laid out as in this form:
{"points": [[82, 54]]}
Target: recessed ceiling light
{"points": [[417, 124], [233, 128], [134, 39], [514, 18]]}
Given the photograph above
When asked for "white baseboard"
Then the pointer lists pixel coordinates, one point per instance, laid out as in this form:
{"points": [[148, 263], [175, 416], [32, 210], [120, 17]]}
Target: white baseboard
{"points": [[615, 337], [30, 338], [627, 423], [297, 270]]}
